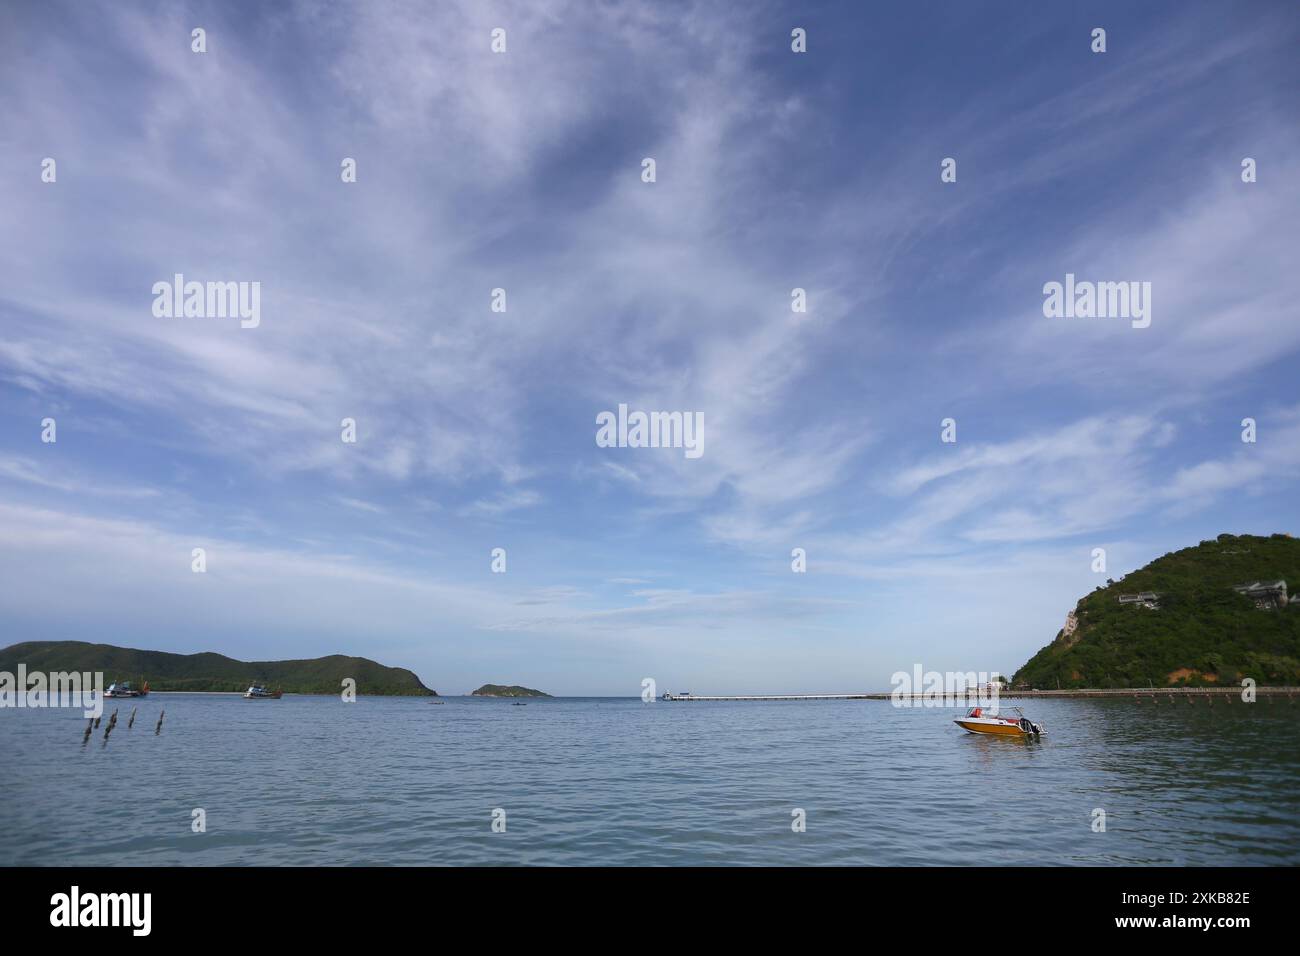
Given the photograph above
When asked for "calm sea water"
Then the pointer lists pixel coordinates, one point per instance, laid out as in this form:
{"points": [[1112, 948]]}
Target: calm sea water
{"points": [[311, 780]]}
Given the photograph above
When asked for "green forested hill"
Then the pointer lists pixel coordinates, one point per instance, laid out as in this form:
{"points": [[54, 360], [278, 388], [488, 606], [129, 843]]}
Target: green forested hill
{"points": [[212, 672], [1202, 633], [507, 690]]}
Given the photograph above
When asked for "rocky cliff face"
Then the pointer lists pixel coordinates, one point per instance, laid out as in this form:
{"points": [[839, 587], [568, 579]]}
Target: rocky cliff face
{"points": [[1069, 633]]}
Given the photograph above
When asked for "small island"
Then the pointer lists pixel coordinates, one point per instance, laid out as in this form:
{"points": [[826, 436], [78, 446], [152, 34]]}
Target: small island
{"points": [[507, 690]]}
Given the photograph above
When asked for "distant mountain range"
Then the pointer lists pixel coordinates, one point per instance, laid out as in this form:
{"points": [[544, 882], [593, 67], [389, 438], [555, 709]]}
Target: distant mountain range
{"points": [[507, 690], [1212, 614], [214, 672]]}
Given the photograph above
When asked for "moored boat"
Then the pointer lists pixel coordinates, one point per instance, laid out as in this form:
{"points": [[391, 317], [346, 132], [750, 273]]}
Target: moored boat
{"points": [[978, 722], [124, 689]]}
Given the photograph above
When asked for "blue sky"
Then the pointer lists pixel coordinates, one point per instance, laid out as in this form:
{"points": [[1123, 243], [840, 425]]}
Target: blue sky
{"points": [[476, 429]]}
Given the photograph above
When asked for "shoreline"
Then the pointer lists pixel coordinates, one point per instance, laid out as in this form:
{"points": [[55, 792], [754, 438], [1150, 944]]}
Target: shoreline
{"points": [[1227, 691], [1081, 692], [287, 693], [1139, 692]]}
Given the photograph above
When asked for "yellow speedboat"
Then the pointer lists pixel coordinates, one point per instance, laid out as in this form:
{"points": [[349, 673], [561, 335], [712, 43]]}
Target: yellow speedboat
{"points": [[977, 722]]}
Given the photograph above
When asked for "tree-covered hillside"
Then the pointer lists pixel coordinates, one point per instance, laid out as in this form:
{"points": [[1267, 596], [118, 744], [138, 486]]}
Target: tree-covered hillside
{"points": [[212, 672], [506, 690], [1202, 631]]}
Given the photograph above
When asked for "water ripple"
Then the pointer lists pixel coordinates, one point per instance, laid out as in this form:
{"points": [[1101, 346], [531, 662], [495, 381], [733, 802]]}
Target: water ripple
{"points": [[313, 781]]}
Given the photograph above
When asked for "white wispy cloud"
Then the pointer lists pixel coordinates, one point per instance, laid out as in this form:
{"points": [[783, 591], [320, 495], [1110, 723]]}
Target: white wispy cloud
{"points": [[476, 429]]}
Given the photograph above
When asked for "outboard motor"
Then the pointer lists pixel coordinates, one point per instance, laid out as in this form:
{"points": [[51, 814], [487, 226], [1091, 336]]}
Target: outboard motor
{"points": [[1029, 727]]}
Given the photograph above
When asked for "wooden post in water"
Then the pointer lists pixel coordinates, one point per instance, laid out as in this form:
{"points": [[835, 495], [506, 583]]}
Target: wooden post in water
{"points": [[112, 722], [131, 723], [157, 730], [90, 725]]}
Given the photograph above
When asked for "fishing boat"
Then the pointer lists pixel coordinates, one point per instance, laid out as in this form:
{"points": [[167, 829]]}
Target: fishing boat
{"points": [[258, 692], [978, 722], [124, 689]]}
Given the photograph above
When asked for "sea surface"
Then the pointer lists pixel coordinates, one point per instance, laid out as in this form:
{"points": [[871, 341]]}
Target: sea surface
{"points": [[316, 781]]}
